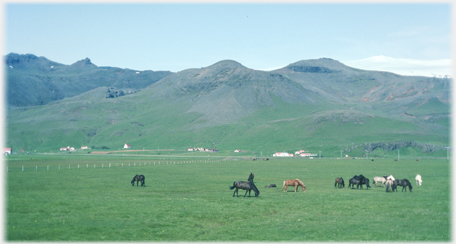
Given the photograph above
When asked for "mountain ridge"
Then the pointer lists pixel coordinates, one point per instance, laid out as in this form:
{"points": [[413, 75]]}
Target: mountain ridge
{"points": [[307, 103]]}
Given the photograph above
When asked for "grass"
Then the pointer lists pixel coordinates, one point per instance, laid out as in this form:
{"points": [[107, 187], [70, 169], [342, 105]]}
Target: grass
{"points": [[188, 199]]}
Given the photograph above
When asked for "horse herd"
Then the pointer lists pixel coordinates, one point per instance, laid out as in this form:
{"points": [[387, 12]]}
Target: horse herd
{"points": [[389, 181], [359, 180]]}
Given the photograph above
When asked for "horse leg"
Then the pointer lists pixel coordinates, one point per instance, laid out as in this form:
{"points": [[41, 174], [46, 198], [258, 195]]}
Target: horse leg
{"points": [[296, 187]]}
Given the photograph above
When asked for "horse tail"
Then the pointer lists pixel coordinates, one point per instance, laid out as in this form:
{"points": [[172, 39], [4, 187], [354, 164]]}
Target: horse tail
{"points": [[283, 186], [232, 187]]}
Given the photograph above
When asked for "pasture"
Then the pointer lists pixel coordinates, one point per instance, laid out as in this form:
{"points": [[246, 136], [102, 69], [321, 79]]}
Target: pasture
{"points": [[188, 199]]}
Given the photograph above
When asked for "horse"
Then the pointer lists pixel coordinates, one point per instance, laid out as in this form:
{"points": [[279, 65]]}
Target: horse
{"points": [[245, 185], [271, 185], [390, 177], [339, 182], [404, 183], [359, 180], [138, 178], [295, 182], [251, 177], [418, 180], [391, 184], [379, 179]]}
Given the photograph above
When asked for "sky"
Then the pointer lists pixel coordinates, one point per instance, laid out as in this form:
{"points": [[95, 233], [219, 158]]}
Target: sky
{"points": [[414, 37]]}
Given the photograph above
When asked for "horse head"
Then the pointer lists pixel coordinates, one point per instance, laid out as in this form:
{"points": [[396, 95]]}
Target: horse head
{"points": [[251, 176]]}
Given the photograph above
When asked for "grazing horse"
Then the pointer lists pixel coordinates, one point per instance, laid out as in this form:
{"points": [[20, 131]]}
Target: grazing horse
{"points": [[339, 182], [138, 178], [359, 180], [379, 179], [245, 185], [391, 184], [295, 182], [404, 183], [271, 185], [418, 180]]}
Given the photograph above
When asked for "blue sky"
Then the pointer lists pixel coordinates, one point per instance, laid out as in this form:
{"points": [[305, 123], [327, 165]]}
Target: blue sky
{"points": [[258, 35]]}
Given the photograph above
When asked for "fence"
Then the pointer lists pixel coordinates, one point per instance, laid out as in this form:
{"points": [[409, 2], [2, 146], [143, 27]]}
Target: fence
{"points": [[109, 165]]}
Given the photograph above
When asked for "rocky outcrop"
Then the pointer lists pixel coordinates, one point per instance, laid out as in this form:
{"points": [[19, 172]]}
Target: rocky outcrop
{"points": [[391, 146], [114, 92]]}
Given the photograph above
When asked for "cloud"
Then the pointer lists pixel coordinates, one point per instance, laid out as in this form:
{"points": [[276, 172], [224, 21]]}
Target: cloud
{"points": [[409, 67]]}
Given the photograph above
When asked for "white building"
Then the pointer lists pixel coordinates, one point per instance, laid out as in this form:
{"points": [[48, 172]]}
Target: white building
{"points": [[282, 154]]}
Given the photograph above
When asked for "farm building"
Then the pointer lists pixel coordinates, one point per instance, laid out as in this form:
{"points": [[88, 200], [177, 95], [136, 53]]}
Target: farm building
{"points": [[84, 147], [303, 153], [282, 154], [67, 148], [126, 146], [7, 151]]}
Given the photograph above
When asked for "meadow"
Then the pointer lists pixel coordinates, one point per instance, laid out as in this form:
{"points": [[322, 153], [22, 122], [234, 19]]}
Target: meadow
{"points": [[90, 198]]}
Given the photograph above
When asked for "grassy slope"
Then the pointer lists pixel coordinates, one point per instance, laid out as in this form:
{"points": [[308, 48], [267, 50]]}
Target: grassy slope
{"points": [[97, 204], [91, 120]]}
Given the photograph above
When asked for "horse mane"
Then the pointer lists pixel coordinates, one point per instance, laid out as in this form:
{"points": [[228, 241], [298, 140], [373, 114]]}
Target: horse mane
{"points": [[409, 184], [300, 182]]}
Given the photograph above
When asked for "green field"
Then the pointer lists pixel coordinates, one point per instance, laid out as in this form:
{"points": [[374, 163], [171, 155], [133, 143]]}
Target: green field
{"points": [[89, 198]]}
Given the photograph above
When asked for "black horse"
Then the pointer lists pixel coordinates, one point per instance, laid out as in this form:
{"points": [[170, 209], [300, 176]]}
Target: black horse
{"points": [[251, 176], [245, 185], [339, 182], [359, 180], [404, 183], [138, 178]]}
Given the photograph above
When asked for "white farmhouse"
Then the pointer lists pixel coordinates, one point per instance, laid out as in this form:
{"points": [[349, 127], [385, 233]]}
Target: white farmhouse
{"points": [[282, 154]]}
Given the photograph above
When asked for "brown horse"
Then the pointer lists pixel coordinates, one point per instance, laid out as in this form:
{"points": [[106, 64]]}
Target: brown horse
{"points": [[295, 183]]}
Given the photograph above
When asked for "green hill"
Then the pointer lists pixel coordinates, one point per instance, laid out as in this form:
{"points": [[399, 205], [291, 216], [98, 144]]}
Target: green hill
{"points": [[316, 105]]}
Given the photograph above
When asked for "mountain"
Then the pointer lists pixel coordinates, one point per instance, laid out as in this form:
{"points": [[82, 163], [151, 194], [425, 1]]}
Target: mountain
{"points": [[319, 105], [33, 80]]}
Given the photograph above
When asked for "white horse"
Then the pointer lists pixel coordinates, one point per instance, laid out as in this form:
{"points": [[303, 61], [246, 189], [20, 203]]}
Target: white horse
{"points": [[418, 180], [390, 178], [379, 179]]}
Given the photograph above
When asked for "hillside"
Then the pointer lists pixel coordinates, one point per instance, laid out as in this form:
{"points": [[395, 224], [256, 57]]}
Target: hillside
{"points": [[33, 80], [319, 105]]}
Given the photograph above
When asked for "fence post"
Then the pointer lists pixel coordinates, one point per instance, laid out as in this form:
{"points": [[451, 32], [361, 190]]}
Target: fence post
{"points": [[48, 167], [36, 168], [22, 167]]}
